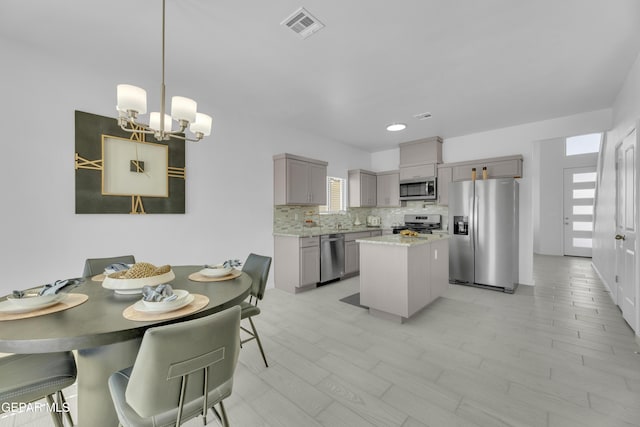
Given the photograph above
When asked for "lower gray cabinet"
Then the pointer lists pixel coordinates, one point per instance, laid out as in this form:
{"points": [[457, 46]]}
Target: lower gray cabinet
{"points": [[352, 250], [296, 262], [351, 257], [309, 265]]}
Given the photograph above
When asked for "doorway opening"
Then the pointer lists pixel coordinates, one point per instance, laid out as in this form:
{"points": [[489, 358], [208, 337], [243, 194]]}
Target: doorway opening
{"points": [[579, 193]]}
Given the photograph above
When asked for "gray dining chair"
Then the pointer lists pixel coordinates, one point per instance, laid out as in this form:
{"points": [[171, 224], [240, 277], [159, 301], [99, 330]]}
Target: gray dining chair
{"points": [[93, 266], [25, 378], [174, 367], [256, 266]]}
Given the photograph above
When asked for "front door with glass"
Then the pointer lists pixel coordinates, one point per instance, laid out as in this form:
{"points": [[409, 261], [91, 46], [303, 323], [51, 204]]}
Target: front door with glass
{"points": [[579, 196]]}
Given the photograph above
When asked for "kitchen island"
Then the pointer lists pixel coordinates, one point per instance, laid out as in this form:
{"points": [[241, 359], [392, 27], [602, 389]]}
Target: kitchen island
{"points": [[401, 275]]}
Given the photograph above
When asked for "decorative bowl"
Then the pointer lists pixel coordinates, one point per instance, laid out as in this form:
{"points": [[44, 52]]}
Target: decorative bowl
{"points": [[216, 271], [134, 286]]}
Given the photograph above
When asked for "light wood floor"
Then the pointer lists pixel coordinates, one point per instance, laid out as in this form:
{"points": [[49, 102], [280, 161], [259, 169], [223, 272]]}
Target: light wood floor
{"points": [[557, 354]]}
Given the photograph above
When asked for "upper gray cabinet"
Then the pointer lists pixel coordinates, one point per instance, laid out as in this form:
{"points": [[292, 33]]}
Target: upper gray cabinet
{"points": [[444, 179], [497, 167], [299, 180], [427, 150], [362, 188], [388, 189], [418, 159]]}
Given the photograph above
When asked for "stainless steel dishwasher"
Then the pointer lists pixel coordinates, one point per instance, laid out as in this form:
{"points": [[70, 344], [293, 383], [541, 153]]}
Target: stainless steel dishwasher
{"points": [[331, 257]]}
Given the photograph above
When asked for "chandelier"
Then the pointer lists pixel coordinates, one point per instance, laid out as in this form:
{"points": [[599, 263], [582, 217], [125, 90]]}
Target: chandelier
{"points": [[132, 102]]}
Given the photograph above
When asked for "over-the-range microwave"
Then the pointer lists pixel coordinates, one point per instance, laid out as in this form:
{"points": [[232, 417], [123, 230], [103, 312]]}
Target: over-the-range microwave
{"points": [[418, 189]]}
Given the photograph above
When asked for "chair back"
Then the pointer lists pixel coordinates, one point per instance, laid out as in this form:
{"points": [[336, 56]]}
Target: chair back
{"points": [[172, 354], [93, 266], [257, 266]]}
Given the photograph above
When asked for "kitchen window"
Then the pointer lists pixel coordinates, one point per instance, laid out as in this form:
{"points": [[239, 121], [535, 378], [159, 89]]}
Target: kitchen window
{"points": [[336, 196]]}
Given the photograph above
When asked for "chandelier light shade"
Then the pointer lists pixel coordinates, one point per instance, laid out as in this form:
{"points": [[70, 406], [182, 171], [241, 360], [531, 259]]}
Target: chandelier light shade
{"points": [[132, 102], [154, 122], [201, 125], [183, 109], [132, 98]]}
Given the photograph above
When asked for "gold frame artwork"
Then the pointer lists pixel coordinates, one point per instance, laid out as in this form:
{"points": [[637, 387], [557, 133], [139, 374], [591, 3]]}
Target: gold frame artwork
{"points": [[136, 176]]}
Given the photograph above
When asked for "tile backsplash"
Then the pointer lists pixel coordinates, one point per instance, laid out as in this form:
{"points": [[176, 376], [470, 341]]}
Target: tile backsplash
{"points": [[298, 218]]}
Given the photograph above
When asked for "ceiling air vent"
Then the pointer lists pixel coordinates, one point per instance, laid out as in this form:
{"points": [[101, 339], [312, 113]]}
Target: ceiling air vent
{"points": [[302, 23], [423, 116]]}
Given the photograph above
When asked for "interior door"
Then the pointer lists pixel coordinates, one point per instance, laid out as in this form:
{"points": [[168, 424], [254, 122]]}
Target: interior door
{"points": [[626, 229], [579, 196]]}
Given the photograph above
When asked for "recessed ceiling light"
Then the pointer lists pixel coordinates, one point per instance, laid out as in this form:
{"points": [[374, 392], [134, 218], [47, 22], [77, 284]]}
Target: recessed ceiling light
{"points": [[394, 127]]}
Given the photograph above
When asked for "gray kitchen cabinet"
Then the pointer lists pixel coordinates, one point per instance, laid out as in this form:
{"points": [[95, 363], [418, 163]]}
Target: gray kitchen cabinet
{"points": [[351, 257], [362, 188], [427, 170], [398, 280], [296, 262], [299, 180], [498, 167], [352, 250], [418, 159], [421, 151], [388, 189], [309, 265], [445, 177]]}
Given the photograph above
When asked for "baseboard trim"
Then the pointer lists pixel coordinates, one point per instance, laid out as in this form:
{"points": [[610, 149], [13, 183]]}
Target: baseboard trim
{"points": [[604, 282]]}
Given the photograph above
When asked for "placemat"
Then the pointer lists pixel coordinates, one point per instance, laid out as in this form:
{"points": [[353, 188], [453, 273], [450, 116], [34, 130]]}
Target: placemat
{"points": [[70, 301], [197, 277], [199, 302], [99, 277]]}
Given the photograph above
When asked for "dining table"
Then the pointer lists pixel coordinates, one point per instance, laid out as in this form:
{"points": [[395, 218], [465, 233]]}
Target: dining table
{"points": [[105, 340]]}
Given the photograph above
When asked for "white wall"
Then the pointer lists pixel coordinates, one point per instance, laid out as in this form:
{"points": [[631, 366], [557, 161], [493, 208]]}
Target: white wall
{"points": [[626, 113], [229, 194], [509, 141], [548, 194]]}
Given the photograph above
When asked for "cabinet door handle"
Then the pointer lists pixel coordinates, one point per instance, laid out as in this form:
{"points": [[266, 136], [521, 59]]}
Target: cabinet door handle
{"points": [[621, 237]]}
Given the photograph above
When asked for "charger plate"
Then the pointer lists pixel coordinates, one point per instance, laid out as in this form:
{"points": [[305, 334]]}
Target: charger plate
{"points": [[70, 301], [199, 277], [199, 302]]}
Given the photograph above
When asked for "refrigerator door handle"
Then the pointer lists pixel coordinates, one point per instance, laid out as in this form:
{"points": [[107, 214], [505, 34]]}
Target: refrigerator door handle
{"points": [[475, 223], [470, 227]]}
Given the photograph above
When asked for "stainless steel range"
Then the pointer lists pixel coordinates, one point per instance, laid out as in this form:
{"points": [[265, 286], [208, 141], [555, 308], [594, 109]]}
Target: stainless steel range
{"points": [[420, 223]]}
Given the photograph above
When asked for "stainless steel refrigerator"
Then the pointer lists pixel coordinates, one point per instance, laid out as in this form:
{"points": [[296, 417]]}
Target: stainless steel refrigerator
{"points": [[483, 225]]}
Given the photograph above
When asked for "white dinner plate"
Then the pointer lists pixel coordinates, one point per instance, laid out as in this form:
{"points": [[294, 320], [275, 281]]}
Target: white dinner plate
{"points": [[180, 294], [139, 306], [10, 308], [128, 291], [218, 271]]}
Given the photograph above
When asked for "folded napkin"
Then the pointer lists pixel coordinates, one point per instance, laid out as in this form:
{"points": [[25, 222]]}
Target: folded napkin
{"points": [[161, 293], [59, 285], [52, 288], [116, 266], [232, 263], [229, 263]]}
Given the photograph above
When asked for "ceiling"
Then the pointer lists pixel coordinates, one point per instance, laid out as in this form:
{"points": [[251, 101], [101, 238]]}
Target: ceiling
{"points": [[475, 65]]}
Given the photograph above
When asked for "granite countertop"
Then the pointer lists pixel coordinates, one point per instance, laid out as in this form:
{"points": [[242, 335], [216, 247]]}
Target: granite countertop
{"points": [[318, 231], [399, 240]]}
